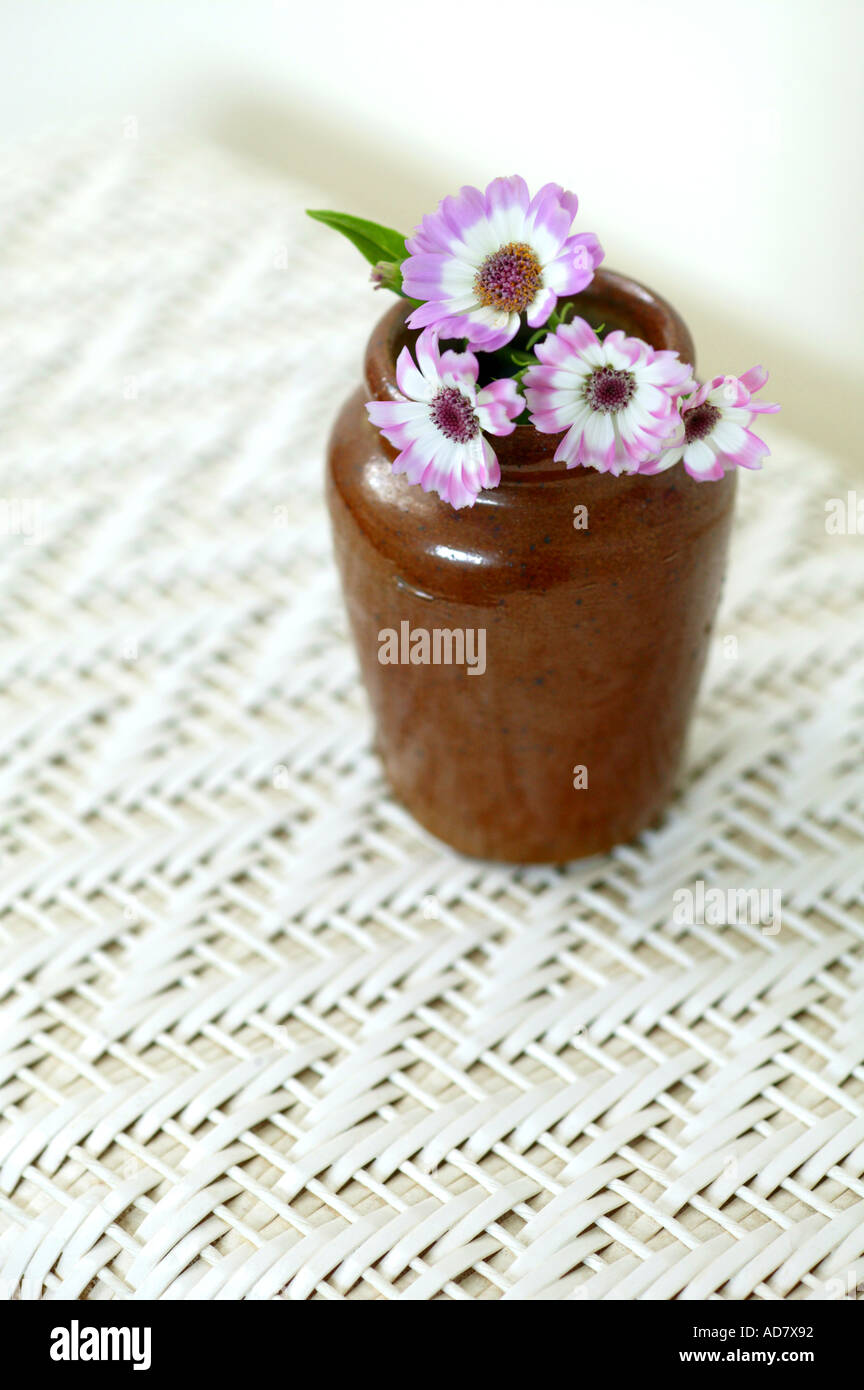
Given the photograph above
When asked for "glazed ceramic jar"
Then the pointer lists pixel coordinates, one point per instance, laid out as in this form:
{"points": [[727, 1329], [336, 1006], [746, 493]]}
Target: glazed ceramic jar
{"points": [[531, 661]]}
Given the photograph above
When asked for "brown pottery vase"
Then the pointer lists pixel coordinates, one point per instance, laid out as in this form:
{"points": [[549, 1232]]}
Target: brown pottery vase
{"points": [[595, 623]]}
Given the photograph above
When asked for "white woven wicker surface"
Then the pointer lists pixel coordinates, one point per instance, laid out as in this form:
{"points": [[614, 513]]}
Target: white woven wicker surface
{"points": [[261, 1036]]}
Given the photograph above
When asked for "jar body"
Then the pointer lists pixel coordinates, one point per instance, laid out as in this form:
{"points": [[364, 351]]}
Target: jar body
{"points": [[566, 619]]}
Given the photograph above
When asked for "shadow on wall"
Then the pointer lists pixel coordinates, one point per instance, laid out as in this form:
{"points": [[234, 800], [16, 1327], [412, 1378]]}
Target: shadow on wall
{"points": [[352, 174], [376, 181], [816, 396]]}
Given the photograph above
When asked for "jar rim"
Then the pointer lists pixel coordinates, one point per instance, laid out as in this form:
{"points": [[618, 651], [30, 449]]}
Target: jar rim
{"points": [[616, 300]]}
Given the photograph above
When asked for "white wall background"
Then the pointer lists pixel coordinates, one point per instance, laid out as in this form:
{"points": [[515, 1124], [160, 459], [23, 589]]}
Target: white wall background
{"points": [[716, 148]]}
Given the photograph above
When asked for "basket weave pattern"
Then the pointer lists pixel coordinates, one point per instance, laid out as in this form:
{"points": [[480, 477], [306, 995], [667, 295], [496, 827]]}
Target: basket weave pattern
{"points": [[261, 1036]]}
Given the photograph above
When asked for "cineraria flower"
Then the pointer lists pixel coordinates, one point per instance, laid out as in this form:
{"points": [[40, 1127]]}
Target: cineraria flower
{"points": [[438, 422], [615, 398], [714, 429], [483, 259]]}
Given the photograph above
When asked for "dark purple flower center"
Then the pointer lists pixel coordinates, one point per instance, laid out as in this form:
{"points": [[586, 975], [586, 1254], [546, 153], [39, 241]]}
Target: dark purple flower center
{"points": [[509, 279], [609, 390], [453, 414], [700, 421]]}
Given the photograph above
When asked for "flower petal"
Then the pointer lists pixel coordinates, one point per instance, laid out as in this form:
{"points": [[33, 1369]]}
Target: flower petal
{"points": [[754, 379], [739, 445], [411, 382], [542, 307], [498, 406], [701, 461]]}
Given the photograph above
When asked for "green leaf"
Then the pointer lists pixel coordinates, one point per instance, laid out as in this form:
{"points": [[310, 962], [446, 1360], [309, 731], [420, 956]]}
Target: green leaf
{"points": [[373, 241]]}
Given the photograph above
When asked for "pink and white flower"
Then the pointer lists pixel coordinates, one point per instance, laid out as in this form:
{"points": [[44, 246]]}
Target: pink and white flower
{"points": [[714, 431], [616, 398], [438, 422], [481, 260]]}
